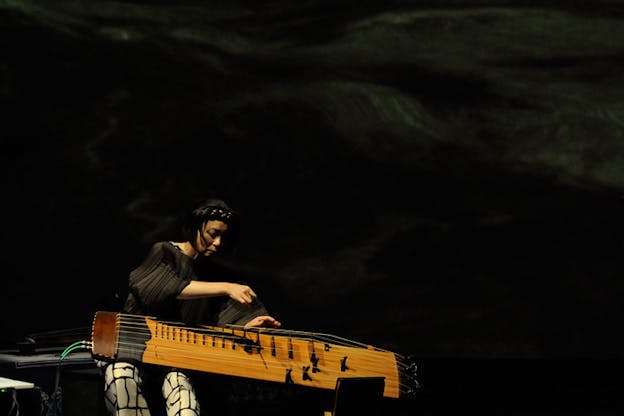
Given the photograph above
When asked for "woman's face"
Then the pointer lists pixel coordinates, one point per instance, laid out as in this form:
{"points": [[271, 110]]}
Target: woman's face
{"points": [[209, 238]]}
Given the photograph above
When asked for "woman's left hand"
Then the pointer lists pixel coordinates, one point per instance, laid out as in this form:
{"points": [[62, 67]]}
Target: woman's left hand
{"points": [[264, 320]]}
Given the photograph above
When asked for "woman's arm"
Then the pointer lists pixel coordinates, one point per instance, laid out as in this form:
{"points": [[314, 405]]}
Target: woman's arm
{"points": [[199, 289]]}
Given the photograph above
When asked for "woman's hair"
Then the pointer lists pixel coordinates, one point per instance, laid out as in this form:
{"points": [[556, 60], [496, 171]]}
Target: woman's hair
{"points": [[208, 210]]}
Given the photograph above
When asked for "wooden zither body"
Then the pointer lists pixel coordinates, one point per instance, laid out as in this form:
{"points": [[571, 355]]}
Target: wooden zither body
{"points": [[282, 356]]}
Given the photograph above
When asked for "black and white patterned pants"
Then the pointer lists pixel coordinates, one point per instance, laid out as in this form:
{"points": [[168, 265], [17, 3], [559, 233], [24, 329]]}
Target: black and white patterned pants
{"points": [[124, 394]]}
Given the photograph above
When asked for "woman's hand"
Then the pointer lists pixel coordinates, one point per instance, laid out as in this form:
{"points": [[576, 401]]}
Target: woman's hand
{"points": [[264, 320], [241, 293]]}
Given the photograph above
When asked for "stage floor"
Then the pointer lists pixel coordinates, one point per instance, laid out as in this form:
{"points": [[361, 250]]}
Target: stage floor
{"points": [[519, 387]]}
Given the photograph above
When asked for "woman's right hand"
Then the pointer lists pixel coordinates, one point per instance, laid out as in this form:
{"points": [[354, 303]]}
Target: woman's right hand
{"points": [[241, 293]]}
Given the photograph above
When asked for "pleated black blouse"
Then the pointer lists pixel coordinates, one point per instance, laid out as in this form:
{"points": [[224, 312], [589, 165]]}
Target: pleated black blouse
{"points": [[165, 272]]}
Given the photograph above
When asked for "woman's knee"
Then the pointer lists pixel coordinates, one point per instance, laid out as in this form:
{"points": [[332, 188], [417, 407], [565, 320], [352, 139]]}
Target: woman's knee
{"points": [[123, 389], [179, 394]]}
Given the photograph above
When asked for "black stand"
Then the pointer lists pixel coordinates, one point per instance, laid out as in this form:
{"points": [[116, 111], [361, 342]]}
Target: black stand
{"points": [[61, 387], [360, 396]]}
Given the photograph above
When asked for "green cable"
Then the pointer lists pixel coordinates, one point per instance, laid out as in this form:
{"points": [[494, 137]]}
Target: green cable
{"points": [[67, 351], [74, 346]]}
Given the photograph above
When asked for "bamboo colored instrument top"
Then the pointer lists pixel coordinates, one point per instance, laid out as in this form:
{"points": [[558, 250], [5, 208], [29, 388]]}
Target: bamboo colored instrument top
{"points": [[276, 355]]}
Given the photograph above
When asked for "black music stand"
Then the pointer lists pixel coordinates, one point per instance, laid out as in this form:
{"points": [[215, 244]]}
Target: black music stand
{"points": [[359, 396]]}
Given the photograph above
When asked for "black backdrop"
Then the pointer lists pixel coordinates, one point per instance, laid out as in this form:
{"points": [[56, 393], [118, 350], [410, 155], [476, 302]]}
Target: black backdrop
{"points": [[437, 178]]}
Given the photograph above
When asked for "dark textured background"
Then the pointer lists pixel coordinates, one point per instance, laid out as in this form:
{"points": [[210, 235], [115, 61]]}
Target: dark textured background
{"points": [[436, 178]]}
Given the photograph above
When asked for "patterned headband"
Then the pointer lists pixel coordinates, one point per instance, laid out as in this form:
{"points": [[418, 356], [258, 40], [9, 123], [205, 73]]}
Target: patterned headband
{"points": [[218, 213]]}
